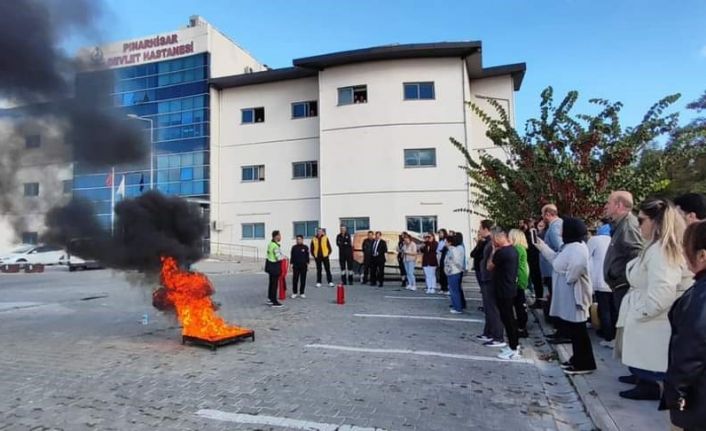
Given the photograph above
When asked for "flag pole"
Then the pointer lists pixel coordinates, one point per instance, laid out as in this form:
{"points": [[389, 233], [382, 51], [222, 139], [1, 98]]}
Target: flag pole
{"points": [[112, 200]]}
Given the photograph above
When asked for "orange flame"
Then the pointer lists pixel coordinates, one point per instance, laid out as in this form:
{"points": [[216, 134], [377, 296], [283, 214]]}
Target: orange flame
{"points": [[190, 293]]}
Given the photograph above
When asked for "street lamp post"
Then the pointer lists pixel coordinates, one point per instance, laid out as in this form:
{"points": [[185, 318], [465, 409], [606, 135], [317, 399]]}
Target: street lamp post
{"points": [[137, 117]]}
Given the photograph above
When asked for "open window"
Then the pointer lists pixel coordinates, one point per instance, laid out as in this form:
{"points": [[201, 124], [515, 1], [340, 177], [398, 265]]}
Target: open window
{"points": [[253, 115], [352, 95]]}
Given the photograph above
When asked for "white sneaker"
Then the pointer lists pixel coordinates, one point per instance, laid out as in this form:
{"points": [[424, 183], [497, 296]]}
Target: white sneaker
{"points": [[452, 311], [447, 293], [431, 292], [608, 344], [510, 355], [331, 285], [294, 295], [494, 343], [413, 289], [318, 284], [302, 296], [483, 339]]}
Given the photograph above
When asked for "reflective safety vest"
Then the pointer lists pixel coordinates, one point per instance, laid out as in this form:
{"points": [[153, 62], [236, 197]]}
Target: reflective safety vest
{"points": [[323, 244]]}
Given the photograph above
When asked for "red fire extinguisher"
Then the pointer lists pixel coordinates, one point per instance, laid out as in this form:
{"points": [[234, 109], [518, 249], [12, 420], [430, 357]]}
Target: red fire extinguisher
{"points": [[340, 294], [284, 266]]}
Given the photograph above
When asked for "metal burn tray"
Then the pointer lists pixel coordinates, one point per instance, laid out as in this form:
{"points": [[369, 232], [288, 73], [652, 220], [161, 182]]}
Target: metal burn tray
{"points": [[216, 343]]}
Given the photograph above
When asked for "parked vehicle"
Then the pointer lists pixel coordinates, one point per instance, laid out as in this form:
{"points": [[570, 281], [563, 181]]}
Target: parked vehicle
{"points": [[74, 262], [34, 254]]}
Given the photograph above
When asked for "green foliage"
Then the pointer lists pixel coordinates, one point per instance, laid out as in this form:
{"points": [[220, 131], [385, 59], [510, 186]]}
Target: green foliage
{"points": [[572, 160]]}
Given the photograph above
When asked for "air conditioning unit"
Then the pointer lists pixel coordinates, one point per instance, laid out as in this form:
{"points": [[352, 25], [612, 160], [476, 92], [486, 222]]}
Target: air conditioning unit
{"points": [[248, 69], [217, 225]]}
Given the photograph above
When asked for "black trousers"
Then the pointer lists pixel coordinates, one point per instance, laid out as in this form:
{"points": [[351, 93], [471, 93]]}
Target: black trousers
{"points": [[520, 309], [299, 275], [607, 314], [581, 344], [463, 295], [536, 278], [377, 274], [327, 266], [403, 271], [272, 288], [346, 263], [367, 269], [443, 279], [507, 316]]}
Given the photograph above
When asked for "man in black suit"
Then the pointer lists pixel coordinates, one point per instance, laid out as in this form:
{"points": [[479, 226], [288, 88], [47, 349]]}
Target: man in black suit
{"points": [[378, 251], [368, 257]]}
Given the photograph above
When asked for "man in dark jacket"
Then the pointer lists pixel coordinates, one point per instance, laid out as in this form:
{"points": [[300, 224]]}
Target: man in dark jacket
{"points": [[493, 330], [625, 244], [378, 252], [345, 254], [300, 263], [368, 256]]}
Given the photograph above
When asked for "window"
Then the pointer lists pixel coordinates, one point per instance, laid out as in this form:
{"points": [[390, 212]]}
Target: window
{"points": [[420, 157], [31, 189], [68, 186], [356, 94], [253, 230], [306, 228], [356, 223], [32, 141], [305, 169], [421, 224], [253, 173], [253, 115], [186, 174], [418, 90], [304, 109], [30, 238]]}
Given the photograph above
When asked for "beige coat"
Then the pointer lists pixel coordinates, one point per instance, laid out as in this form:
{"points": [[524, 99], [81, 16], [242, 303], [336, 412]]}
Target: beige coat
{"points": [[654, 286]]}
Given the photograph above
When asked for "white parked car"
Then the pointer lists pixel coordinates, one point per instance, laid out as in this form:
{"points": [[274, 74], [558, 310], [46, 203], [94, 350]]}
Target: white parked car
{"points": [[34, 254]]}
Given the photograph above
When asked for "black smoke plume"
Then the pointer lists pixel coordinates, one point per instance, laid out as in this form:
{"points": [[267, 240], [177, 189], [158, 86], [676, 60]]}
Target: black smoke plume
{"points": [[146, 229], [41, 83]]}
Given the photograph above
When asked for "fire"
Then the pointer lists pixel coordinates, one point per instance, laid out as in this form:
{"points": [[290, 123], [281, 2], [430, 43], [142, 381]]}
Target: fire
{"points": [[190, 295]]}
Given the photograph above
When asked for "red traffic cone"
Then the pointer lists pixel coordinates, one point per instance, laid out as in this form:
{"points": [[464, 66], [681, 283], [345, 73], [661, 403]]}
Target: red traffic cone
{"points": [[340, 294]]}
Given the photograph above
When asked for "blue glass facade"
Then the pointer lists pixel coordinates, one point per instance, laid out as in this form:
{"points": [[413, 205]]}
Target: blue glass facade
{"points": [[174, 95]]}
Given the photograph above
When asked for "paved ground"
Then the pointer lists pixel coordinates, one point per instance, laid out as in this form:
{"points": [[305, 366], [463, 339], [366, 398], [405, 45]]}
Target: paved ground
{"points": [[75, 356]]}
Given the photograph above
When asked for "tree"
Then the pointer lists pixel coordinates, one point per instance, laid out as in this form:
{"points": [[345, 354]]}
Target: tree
{"points": [[571, 160], [687, 173]]}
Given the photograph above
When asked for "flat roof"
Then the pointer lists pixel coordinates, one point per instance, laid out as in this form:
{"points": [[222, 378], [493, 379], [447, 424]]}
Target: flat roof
{"points": [[390, 52], [272, 75]]}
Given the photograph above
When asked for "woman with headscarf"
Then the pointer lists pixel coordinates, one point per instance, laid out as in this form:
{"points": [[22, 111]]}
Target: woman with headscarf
{"points": [[656, 277], [572, 293]]}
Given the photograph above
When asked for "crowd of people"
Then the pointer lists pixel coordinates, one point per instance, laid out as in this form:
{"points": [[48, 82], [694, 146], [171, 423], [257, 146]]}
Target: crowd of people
{"points": [[641, 269]]}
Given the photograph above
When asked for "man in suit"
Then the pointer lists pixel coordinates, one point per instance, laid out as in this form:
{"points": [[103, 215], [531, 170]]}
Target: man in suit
{"points": [[367, 256], [378, 252]]}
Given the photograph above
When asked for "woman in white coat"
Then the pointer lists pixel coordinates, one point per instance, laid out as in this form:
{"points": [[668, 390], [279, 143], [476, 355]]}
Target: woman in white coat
{"points": [[656, 277], [572, 293]]}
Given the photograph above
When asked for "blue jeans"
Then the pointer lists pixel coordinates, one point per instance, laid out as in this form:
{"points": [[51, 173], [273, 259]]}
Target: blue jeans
{"points": [[455, 290], [409, 269]]}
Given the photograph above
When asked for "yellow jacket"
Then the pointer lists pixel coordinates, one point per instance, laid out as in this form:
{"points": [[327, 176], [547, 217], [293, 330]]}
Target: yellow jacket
{"points": [[323, 243]]}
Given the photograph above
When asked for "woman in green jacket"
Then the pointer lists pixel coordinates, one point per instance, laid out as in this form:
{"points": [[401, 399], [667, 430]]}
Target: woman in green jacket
{"points": [[519, 240]]}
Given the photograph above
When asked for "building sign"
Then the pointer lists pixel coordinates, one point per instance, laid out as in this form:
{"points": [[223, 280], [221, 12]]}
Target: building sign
{"points": [[149, 49], [146, 50]]}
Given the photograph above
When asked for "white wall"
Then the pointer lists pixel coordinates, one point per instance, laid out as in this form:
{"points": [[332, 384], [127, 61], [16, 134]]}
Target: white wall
{"points": [[362, 145], [276, 143], [227, 57]]}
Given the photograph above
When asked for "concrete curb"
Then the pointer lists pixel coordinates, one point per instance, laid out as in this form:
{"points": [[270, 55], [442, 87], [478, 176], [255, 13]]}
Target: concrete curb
{"points": [[589, 397]]}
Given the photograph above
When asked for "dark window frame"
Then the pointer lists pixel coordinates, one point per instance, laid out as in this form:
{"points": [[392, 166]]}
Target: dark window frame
{"points": [[354, 228], [307, 109], [307, 226], [253, 226], [258, 175], [421, 223], [311, 169], [258, 112], [29, 189], [360, 90], [418, 90]]}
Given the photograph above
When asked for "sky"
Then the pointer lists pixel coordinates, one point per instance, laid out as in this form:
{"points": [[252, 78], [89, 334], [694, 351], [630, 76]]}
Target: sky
{"points": [[633, 51]]}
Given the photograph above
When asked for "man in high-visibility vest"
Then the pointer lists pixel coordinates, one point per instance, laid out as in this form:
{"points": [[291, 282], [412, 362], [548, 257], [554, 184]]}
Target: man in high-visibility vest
{"points": [[273, 268], [321, 250]]}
